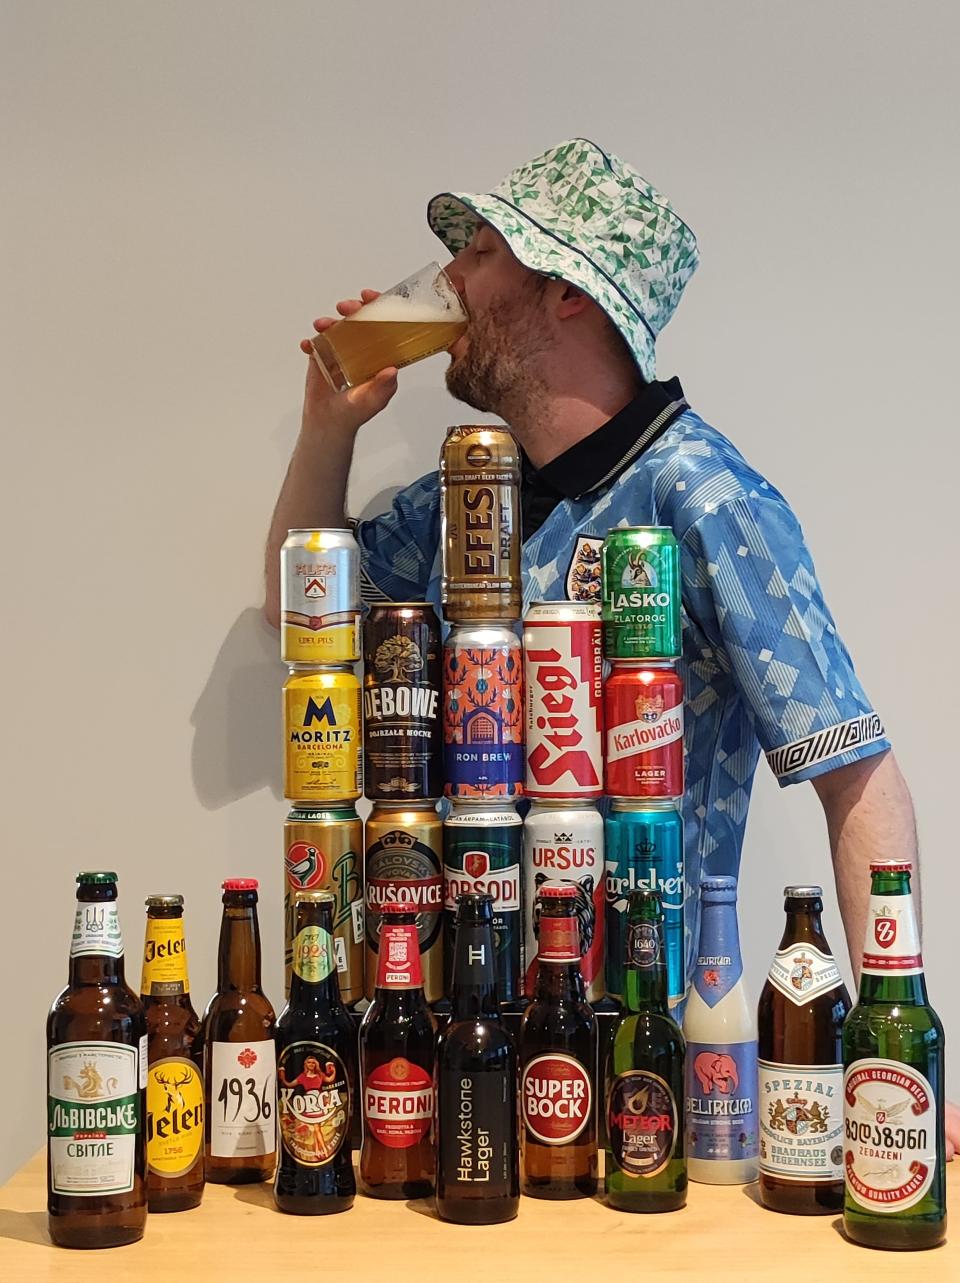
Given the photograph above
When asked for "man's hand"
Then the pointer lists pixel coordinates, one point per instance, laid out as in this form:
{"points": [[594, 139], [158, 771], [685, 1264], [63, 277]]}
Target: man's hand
{"points": [[353, 408]]}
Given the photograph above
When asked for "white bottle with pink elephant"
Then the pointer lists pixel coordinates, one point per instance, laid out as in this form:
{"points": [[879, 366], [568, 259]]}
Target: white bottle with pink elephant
{"points": [[722, 1118]]}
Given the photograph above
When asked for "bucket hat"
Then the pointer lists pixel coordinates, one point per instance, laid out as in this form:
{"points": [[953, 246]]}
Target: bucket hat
{"points": [[583, 215]]}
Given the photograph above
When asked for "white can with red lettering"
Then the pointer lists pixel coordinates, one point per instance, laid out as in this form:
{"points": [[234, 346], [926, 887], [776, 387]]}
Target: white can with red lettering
{"points": [[563, 674], [563, 842]]}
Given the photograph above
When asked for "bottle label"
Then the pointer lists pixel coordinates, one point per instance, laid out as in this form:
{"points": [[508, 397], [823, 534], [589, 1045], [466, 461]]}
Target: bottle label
{"points": [[398, 1102], [477, 1130], [556, 1097], [314, 955], [174, 1116], [890, 1134], [803, 972], [559, 940], [801, 1122], [93, 1115], [719, 965], [643, 945], [96, 930], [164, 959], [398, 957], [314, 1102], [641, 1122], [722, 1100], [243, 1088], [893, 945]]}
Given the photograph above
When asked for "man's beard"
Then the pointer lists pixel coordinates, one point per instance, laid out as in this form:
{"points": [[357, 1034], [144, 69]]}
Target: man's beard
{"points": [[497, 374]]}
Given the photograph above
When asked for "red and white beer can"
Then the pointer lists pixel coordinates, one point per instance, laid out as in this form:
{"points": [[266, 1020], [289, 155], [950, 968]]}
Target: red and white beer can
{"points": [[643, 707], [563, 842], [563, 672]]}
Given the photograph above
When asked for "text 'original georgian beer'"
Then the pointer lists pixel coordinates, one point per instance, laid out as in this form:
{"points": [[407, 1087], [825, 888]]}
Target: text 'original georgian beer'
{"points": [[320, 597], [402, 711], [563, 667]]}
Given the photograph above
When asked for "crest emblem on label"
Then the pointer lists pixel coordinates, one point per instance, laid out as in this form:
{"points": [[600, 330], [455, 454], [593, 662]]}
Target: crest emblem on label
{"points": [[305, 865], [583, 579], [885, 932], [174, 1116], [476, 863], [803, 972]]}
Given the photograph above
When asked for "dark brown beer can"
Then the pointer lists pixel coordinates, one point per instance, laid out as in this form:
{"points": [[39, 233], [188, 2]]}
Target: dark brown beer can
{"points": [[403, 734], [404, 861], [480, 524]]}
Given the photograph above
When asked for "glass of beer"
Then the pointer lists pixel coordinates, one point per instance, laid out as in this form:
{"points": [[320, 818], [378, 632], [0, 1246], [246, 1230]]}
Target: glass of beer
{"points": [[420, 316]]}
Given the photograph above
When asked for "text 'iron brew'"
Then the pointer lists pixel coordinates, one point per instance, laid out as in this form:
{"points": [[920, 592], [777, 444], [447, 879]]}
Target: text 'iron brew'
{"points": [[483, 712], [480, 525]]}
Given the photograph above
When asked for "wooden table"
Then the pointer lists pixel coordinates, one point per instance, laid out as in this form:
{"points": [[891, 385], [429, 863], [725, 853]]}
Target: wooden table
{"points": [[237, 1236]]}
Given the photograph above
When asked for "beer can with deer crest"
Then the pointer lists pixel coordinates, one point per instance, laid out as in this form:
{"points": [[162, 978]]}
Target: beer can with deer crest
{"points": [[320, 597], [480, 524], [562, 677], [641, 593], [644, 850], [404, 861], [563, 842], [482, 851], [323, 851], [483, 712], [643, 712], [403, 733]]}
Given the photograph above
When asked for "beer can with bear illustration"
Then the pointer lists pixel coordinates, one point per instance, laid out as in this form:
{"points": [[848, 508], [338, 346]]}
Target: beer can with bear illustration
{"points": [[563, 842]]}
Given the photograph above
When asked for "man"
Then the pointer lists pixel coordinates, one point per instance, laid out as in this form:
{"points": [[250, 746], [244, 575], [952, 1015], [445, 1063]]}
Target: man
{"points": [[569, 270]]}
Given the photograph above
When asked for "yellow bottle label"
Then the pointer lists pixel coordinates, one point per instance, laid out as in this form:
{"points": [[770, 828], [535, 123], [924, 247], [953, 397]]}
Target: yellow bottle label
{"points": [[164, 959], [174, 1116]]}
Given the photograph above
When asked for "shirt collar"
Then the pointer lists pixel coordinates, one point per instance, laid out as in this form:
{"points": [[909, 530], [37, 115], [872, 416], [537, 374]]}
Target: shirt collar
{"points": [[603, 455]]}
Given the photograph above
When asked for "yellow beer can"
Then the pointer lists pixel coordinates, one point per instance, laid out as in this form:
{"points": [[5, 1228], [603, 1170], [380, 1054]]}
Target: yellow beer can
{"points": [[320, 597], [321, 728]]}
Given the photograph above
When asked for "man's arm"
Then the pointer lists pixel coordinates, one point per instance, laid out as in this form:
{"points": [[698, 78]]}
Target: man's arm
{"points": [[314, 490], [869, 815]]}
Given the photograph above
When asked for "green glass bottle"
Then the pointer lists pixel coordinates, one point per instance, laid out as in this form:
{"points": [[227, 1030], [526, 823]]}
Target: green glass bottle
{"points": [[893, 1151], [645, 1167]]}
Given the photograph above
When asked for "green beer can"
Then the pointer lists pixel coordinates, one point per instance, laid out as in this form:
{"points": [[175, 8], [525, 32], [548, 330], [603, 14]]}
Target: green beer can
{"points": [[641, 593]]}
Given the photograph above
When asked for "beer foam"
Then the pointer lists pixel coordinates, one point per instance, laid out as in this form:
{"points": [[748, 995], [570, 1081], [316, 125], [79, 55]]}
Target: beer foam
{"points": [[393, 307]]}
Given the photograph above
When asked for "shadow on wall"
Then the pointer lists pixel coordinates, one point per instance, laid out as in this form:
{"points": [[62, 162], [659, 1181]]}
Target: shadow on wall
{"points": [[237, 739]]}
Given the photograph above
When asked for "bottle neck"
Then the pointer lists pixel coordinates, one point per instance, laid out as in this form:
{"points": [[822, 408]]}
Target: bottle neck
{"points": [[164, 973], [474, 992], [891, 970], [314, 983], [238, 959], [96, 948], [645, 975], [399, 969], [719, 966], [804, 926], [559, 978]]}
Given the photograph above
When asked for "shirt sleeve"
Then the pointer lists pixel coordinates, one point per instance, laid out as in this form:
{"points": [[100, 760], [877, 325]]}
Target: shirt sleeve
{"points": [[397, 549], [751, 584]]}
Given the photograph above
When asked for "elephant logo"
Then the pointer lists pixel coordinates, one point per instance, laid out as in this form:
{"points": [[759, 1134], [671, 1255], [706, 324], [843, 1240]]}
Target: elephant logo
{"points": [[716, 1069]]}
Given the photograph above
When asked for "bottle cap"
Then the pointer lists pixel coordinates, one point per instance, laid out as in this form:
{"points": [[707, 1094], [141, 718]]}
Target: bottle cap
{"points": [[398, 906], [803, 893], [88, 878], [164, 902], [240, 884], [474, 907], [891, 866], [557, 891], [313, 897], [719, 889]]}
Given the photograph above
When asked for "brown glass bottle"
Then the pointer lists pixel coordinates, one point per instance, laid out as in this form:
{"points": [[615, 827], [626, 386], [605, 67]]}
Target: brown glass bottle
{"points": [[800, 1023], [316, 1071], [558, 1056], [398, 1055], [175, 1075], [96, 1052], [239, 1055]]}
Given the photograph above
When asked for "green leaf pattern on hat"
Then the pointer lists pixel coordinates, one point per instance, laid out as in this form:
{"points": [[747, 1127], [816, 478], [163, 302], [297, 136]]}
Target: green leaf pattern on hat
{"points": [[585, 216]]}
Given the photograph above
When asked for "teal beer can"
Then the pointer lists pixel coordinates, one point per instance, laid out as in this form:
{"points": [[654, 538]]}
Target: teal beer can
{"points": [[641, 593], [643, 841]]}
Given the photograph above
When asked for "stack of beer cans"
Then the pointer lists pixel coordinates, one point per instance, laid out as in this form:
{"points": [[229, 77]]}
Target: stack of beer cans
{"points": [[643, 714], [483, 713], [320, 642]]}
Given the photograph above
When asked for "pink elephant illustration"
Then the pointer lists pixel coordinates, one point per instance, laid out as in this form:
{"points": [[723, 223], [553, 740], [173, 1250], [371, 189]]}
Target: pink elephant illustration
{"points": [[716, 1070]]}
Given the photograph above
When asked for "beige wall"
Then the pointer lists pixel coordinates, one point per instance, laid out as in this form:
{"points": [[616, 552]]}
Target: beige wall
{"points": [[186, 185]]}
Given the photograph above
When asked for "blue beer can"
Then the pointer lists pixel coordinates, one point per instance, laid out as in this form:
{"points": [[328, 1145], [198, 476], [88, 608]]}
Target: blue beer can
{"points": [[644, 849]]}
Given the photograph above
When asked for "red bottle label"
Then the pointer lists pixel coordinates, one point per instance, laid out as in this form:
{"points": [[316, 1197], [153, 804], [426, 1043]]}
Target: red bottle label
{"points": [[398, 959], [398, 1103], [556, 1098], [559, 940]]}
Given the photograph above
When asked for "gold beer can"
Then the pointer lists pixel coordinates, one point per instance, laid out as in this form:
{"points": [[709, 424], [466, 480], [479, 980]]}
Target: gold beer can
{"points": [[320, 597], [404, 861], [480, 525], [321, 728], [323, 851]]}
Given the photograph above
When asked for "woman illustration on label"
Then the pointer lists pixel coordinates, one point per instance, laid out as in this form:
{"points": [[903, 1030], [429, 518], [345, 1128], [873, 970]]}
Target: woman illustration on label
{"points": [[310, 1078]]}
